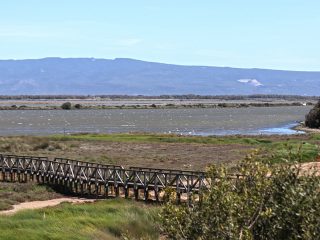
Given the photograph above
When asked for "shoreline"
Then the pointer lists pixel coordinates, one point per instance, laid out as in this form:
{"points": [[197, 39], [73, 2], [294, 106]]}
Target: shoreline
{"points": [[302, 127], [155, 106]]}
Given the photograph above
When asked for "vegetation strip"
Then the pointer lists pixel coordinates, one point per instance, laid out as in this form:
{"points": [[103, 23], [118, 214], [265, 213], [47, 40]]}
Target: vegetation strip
{"points": [[77, 106]]}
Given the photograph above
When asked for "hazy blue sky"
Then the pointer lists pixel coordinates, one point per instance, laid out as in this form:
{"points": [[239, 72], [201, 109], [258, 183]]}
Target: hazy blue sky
{"points": [[279, 34]]}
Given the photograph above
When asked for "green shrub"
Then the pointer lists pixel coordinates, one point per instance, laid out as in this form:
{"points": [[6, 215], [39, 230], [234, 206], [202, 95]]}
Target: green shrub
{"points": [[267, 202], [78, 106], [312, 119], [66, 106]]}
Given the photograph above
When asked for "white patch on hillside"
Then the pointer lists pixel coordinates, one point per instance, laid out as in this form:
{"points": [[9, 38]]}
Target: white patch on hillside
{"points": [[253, 82]]}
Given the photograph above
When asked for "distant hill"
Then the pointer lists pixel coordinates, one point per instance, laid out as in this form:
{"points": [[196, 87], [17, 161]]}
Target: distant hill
{"points": [[83, 76]]}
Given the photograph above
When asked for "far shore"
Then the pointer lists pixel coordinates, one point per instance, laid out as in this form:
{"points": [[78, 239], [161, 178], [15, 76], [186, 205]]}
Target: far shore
{"points": [[79, 106]]}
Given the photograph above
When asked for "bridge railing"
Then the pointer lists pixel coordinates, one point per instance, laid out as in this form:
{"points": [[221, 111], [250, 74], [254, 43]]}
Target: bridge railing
{"points": [[84, 163]]}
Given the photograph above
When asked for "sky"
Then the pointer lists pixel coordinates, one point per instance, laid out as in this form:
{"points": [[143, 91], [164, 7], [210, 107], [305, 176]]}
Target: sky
{"points": [[274, 34]]}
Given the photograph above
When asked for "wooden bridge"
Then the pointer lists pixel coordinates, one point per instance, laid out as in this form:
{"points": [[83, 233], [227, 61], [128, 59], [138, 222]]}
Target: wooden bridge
{"points": [[89, 179]]}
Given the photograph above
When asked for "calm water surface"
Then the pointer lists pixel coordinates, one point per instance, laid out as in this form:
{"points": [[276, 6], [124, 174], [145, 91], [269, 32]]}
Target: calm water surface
{"points": [[213, 121]]}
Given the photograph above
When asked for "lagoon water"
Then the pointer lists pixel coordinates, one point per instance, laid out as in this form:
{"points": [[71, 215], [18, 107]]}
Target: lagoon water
{"points": [[199, 121]]}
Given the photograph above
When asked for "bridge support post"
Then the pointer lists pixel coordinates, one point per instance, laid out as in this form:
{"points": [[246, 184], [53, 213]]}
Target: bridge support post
{"points": [[156, 194], [97, 190], [117, 191], [126, 192], [81, 189], [189, 198], [178, 197], [89, 187], [76, 187], [72, 184], [146, 194], [136, 194], [106, 190]]}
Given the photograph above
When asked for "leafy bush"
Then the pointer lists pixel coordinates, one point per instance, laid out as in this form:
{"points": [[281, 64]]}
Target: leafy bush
{"points": [[265, 202], [78, 106], [313, 117], [66, 106]]}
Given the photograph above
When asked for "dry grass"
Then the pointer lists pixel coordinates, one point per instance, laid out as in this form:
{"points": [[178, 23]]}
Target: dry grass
{"points": [[154, 150], [14, 193], [189, 155]]}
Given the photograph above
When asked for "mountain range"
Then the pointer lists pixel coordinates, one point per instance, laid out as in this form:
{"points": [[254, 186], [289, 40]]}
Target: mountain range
{"points": [[83, 76]]}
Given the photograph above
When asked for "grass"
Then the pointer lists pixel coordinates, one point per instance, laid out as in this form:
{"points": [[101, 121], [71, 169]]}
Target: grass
{"points": [[277, 149], [14, 193], [29, 143], [163, 150], [108, 219], [292, 152], [163, 138]]}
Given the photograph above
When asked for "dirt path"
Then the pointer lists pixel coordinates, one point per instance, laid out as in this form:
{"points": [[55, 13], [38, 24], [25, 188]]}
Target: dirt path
{"points": [[43, 204], [310, 168]]}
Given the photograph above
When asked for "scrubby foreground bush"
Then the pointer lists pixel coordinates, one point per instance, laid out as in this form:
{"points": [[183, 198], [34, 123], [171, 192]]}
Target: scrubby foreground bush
{"points": [[313, 117], [66, 106], [265, 202]]}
